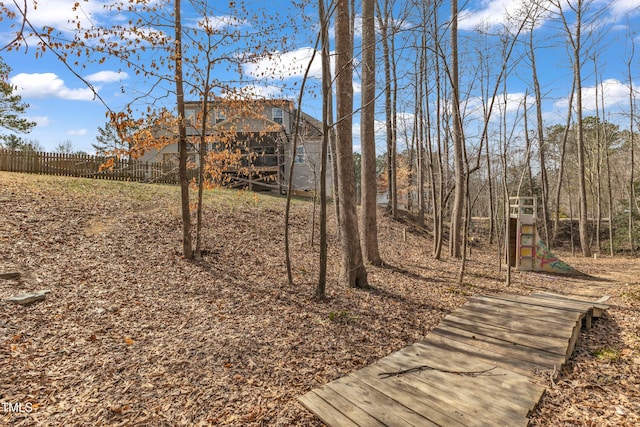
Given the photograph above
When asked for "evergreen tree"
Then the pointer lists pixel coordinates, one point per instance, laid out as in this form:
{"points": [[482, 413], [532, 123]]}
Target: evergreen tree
{"points": [[107, 140], [11, 105]]}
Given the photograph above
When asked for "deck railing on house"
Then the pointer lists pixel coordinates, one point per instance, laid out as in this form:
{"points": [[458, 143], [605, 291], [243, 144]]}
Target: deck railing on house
{"points": [[88, 166]]}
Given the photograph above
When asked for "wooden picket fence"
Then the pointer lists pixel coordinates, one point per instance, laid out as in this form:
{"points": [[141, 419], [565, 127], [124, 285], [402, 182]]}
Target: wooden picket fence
{"points": [[88, 166]]}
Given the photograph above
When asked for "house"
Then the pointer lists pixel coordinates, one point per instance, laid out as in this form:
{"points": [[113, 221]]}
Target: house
{"points": [[249, 144]]}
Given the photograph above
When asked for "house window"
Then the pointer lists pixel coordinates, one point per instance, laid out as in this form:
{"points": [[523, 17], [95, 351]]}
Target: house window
{"points": [[299, 155], [278, 116], [220, 117], [190, 117], [175, 158], [170, 158]]}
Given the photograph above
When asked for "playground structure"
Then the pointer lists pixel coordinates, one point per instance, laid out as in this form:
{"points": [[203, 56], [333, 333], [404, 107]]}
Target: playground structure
{"points": [[527, 251]]}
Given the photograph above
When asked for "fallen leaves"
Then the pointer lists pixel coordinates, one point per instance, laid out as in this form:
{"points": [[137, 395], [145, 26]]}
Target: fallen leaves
{"points": [[136, 335]]}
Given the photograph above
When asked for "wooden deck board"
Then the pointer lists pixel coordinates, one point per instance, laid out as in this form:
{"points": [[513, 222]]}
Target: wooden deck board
{"points": [[479, 367], [567, 304], [405, 391], [510, 385], [553, 345], [522, 367], [510, 321], [468, 394], [507, 348], [554, 314], [598, 307], [333, 416], [376, 403]]}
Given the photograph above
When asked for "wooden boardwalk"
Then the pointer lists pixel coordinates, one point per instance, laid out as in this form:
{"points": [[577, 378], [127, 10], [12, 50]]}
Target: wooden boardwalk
{"points": [[481, 366]]}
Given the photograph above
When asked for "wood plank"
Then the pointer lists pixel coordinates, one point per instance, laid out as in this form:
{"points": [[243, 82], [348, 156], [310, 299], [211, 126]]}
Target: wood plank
{"points": [[377, 403], [509, 341], [422, 401], [546, 302], [512, 321], [532, 311], [347, 409], [571, 298], [522, 367], [517, 333], [9, 275], [323, 410], [598, 307], [542, 359], [463, 393], [584, 310], [495, 381], [553, 345]]}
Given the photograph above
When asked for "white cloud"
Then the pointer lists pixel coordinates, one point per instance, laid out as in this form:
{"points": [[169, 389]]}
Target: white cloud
{"points": [[261, 92], [288, 65], [614, 92], [218, 23], [97, 17], [285, 65], [77, 132], [491, 13], [40, 120], [59, 14], [107, 77], [47, 85], [619, 8]]}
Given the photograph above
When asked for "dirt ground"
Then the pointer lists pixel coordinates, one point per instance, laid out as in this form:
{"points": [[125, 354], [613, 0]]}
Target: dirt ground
{"points": [[132, 334]]}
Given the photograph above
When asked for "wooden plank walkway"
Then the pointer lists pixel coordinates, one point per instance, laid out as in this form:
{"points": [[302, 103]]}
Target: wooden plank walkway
{"points": [[478, 367]]}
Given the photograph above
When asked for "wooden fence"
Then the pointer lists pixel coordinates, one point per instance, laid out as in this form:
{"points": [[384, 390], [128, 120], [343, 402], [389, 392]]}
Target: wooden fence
{"points": [[88, 166]]}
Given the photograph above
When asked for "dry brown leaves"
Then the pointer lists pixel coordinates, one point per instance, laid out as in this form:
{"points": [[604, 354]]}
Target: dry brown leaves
{"points": [[132, 334]]}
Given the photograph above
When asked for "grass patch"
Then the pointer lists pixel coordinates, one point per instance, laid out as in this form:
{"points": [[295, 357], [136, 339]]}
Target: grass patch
{"points": [[145, 192], [633, 295], [607, 354], [457, 291], [342, 316]]}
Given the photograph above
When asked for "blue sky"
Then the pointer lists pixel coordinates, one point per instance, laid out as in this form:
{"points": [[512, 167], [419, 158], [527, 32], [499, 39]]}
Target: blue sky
{"points": [[65, 109]]}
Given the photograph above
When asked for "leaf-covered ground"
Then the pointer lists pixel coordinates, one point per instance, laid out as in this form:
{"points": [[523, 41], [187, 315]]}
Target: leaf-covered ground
{"points": [[132, 334]]}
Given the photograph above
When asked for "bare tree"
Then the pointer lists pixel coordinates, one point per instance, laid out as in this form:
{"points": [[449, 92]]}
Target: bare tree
{"points": [[187, 246], [354, 273], [542, 158], [455, 230], [326, 119], [385, 22], [632, 191], [575, 37], [369, 187], [560, 174]]}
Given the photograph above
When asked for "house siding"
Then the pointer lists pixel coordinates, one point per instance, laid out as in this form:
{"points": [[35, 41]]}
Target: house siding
{"points": [[306, 177]]}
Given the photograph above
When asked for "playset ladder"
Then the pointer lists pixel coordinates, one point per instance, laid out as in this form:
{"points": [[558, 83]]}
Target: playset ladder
{"points": [[523, 211]]}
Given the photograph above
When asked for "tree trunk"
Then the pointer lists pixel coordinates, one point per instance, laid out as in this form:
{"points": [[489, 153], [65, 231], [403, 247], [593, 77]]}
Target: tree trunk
{"points": [[609, 189], [455, 231], [202, 153], [632, 191], [565, 136], [544, 180], [506, 210], [420, 131], [384, 22], [187, 247], [354, 273], [584, 225], [439, 205], [294, 147], [599, 143], [326, 93], [369, 187]]}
